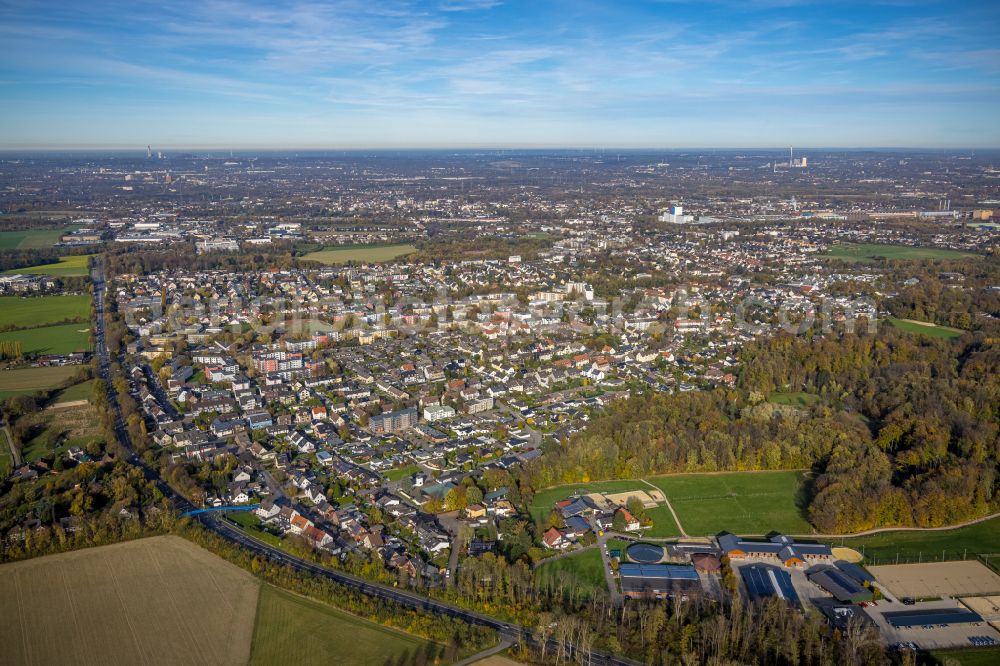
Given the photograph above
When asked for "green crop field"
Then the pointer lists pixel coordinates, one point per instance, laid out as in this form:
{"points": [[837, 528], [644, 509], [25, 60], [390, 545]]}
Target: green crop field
{"points": [[69, 266], [32, 239], [883, 548], [29, 380], [62, 339], [586, 566], [32, 311], [294, 630], [867, 252], [359, 253], [932, 330], [545, 500], [738, 502]]}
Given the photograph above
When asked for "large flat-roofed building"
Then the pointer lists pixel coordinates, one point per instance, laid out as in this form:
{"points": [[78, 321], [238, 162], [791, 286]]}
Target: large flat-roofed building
{"points": [[931, 616], [841, 586], [658, 580], [779, 546], [764, 581]]}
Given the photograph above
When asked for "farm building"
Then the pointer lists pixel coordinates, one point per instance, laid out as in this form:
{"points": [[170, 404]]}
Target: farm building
{"points": [[658, 580], [764, 581], [779, 546], [706, 563], [840, 586]]}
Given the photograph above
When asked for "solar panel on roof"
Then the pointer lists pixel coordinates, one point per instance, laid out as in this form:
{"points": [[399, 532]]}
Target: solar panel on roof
{"points": [[916, 618]]}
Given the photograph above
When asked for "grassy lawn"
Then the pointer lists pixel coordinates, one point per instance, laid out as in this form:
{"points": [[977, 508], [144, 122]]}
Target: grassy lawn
{"points": [[793, 398], [586, 566], [663, 523], [738, 502], [60, 339], [31, 239], [970, 657], [400, 472], [360, 253], [882, 548], [545, 500], [81, 391], [69, 266], [932, 330], [295, 630], [867, 252], [29, 380], [251, 524], [29, 312]]}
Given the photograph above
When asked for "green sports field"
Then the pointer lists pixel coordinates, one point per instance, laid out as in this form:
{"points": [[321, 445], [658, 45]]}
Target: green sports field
{"points": [[932, 330], [545, 500], [29, 380], [62, 339], [32, 311], [69, 266], [294, 630], [359, 253], [739, 502], [31, 239], [868, 252]]}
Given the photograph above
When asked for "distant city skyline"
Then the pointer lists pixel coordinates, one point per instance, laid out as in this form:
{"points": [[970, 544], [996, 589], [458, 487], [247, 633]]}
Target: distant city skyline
{"points": [[225, 74]]}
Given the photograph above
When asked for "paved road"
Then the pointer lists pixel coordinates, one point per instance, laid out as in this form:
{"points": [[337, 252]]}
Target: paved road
{"points": [[212, 521], [479, 656], [14, 453]]}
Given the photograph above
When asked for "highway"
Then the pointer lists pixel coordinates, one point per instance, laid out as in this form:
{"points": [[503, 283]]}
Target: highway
{"points": [[508, 632]]}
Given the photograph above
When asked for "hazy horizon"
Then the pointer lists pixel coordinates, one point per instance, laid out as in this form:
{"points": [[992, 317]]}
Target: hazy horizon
{"points": [[222, 74]]}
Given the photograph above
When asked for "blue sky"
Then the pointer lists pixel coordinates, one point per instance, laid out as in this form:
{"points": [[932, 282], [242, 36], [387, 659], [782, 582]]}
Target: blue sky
{"points": [[374, 73]]}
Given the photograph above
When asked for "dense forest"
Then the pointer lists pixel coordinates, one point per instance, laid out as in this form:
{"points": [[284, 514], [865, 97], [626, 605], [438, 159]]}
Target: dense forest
{"points": [[905, 430]]}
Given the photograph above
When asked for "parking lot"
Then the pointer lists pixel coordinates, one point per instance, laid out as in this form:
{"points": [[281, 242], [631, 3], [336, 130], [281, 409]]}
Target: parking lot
{"points": [[935, 637]]}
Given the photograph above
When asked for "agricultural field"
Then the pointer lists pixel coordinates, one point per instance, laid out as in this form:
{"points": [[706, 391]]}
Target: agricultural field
{"points": [[81, 391], [586, 566], [745, 503], [545, 500], [869, 252], [981, 538], [56, 429], [59, 339], [294, 630], [29, 380], [359, 253], [925, 328], [160, 600], [32, 239], [34, 311], [69, 266]]}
